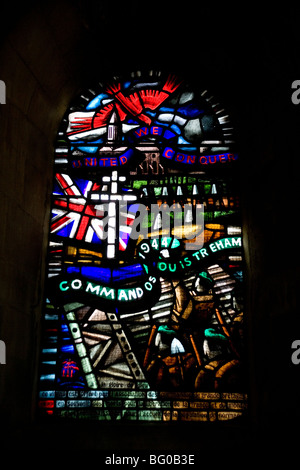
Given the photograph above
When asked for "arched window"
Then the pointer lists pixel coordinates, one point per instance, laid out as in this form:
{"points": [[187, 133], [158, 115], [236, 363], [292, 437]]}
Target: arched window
{"points": [[143, 316]]}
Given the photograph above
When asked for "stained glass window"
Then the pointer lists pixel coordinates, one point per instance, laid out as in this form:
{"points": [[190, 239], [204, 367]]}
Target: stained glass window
{"points": [[143, 316]]}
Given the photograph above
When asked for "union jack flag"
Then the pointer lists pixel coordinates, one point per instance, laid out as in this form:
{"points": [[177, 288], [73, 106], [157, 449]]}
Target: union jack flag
{"points": [[75, 216]]}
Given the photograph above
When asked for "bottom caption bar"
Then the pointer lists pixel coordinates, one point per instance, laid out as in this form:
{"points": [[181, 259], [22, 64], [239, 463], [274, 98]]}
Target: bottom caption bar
{"points": [[137, 461]]}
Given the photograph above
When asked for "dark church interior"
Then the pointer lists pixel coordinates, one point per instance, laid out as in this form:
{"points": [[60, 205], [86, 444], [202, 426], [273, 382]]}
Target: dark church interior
{"points": [[248, 58]]}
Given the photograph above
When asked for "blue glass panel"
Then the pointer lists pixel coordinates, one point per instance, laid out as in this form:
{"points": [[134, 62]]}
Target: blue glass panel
{"points": [[190, 110], [88, 149], [169, 134]]}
